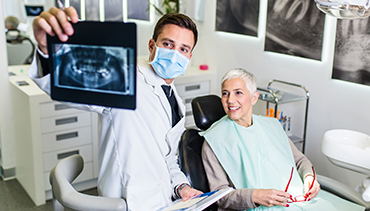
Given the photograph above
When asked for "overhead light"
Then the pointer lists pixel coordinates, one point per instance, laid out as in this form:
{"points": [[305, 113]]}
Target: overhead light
{"points": [[345, 9]]}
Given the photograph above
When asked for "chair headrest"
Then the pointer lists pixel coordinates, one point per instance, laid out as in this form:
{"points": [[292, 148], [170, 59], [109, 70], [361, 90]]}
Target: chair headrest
{"points": [[207, 110]]}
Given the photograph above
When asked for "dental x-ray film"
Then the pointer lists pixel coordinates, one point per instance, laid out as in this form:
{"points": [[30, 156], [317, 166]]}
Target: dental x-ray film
{"points": [[97, 65]]}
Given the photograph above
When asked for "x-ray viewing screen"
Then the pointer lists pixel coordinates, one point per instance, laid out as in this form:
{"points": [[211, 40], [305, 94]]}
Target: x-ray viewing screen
{"points": [[98, 68], [33, 10]]}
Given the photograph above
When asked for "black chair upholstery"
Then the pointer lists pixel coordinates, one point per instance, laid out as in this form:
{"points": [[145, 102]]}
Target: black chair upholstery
{"points": [[190, 161], [206, 110]]}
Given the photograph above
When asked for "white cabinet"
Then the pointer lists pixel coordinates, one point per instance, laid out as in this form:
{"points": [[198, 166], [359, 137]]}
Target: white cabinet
{"points": [[47, 131], [195, 83]]}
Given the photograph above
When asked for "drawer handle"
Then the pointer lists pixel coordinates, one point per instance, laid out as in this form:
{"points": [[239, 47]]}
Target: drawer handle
{"points": [[66, 120], [67, 136], [67, 154], [58, 107], [188, 113], [188, 100], [193, 87]]}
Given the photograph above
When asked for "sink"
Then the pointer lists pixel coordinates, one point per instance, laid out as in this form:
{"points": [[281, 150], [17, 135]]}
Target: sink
{"points": [[347, 149]]}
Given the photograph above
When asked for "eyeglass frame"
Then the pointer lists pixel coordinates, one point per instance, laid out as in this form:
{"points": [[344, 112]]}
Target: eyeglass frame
{"points": [[294, 199]]}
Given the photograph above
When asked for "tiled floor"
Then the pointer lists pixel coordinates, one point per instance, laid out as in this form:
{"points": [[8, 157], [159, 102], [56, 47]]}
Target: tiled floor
{"points": [[14, 198]]}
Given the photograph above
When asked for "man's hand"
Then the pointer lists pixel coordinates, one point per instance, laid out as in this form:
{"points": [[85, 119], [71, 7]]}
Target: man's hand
{"points": [[188, 192], [54, 22]]}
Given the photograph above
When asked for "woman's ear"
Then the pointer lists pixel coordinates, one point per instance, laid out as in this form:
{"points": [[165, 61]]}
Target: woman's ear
{"points": [[255, 97]]}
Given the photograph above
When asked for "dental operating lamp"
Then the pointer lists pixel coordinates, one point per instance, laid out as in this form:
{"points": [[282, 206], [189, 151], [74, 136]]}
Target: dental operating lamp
{"points": [[345, 9]]}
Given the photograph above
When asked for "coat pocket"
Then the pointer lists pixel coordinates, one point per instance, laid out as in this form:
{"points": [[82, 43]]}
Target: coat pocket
{"points": [[173, 136], [146, 197]]}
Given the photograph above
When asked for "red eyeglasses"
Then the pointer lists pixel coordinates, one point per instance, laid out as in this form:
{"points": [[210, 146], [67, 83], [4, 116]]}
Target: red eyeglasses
{"points": [[299, 198]]}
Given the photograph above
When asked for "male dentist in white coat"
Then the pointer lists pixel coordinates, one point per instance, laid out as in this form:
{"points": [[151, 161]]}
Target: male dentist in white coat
{"points": [[138, 148]]}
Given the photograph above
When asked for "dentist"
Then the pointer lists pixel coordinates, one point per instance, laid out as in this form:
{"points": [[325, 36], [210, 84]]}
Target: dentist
{"points": [[138, 148]]}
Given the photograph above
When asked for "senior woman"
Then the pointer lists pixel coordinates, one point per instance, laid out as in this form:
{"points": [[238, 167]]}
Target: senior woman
{"points": [[253, 155]]}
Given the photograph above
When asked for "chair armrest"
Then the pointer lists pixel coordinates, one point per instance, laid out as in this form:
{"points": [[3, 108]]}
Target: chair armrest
{"points": [[64, 193], [341, 190], [78, 201]]}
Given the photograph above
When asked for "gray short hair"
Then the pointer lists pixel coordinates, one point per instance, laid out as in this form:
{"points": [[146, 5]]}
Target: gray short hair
{"points": [[249, 79], [12, 22]]}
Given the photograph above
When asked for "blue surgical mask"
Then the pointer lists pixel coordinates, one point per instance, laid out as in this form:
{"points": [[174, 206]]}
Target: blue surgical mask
{"points": [[169, 63]]}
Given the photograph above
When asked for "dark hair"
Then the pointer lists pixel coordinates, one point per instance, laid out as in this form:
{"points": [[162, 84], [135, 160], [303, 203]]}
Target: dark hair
{"points": [[177, 19]]}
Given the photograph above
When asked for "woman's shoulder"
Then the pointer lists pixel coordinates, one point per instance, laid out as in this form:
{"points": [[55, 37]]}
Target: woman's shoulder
{"points": [[217, 126], [265, 120], [268, 123]]}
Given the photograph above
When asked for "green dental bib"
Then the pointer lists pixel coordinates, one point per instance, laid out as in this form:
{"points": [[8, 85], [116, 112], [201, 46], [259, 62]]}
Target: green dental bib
{"points": [[260, 157]]}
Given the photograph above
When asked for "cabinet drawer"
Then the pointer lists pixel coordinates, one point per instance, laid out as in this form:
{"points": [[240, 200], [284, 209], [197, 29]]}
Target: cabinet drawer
{"points": [[66, 139], [52, 158], [187, 101], [86, 174], [56, 109], [66, 122], [189, 121], [195, 89]]}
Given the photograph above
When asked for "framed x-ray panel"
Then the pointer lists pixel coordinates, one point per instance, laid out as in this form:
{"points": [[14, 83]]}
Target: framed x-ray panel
{"points": [[92, 10], [295, 28], [238, 16], [351, 55], [97, 65], [138, 9], [74, 3], [113, 10]]}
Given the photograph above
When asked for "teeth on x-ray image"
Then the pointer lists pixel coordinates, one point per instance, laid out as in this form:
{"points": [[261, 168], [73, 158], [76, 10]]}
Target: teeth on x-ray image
{"points": [[103, 69]]}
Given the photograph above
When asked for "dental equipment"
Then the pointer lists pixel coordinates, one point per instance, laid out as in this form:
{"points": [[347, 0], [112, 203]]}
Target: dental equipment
{"points": [[350, 150], [345, 9]]}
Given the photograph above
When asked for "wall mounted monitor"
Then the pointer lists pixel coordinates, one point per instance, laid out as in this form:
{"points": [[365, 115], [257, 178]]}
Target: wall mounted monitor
{"points": [[33, 10], [97, 65]]}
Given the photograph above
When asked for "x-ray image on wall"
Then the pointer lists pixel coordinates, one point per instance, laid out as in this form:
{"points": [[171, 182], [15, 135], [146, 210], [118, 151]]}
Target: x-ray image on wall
{"points": [[237, 16], [138, 9], [352, 47], [104, 69], [295, 27], [74, 3], [113, 10], [92, 10]]}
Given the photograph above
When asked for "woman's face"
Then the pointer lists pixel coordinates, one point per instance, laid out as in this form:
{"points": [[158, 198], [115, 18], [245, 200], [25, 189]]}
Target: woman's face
{"points": [[237, 101]]}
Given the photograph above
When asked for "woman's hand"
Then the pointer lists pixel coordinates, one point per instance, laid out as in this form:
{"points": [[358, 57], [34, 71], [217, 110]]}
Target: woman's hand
{"points": [[54, 22], [187, 192], [311, 193], [270, 197]]}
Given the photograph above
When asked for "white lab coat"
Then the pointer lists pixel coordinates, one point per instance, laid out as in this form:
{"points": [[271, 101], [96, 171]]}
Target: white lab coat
{"points": [[138, 148]]}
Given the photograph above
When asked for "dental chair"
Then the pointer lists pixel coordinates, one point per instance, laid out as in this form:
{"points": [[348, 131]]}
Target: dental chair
{"points": [[20, 49], [65, 197], [207, 110]]}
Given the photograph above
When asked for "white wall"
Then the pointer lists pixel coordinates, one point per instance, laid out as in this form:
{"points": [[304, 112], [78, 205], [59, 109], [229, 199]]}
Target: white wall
{"points": [[333, 103], [6, 131]]}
